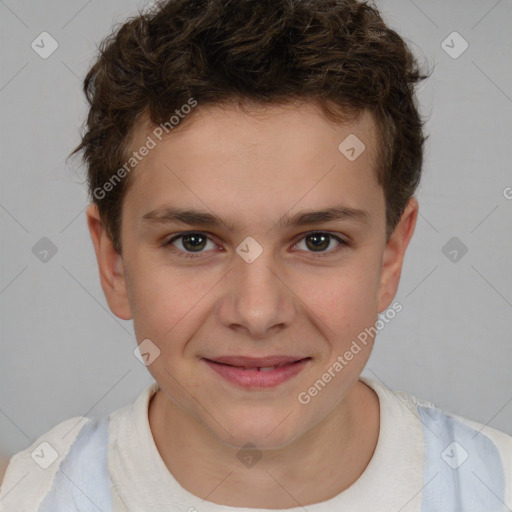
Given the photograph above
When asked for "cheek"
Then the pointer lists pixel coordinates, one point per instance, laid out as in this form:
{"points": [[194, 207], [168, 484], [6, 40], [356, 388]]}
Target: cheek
{"points": [[344, 299], [163, 301], [167, 309]]}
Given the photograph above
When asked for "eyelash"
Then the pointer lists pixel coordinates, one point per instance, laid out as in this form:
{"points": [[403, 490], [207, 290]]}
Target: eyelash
{"points": [[185, 254]]}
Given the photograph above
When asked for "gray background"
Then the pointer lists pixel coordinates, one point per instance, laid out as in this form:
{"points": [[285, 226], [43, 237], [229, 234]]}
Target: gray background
{"points": [[64, 354]]}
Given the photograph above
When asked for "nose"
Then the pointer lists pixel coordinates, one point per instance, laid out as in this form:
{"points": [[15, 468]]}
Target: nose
{"points": [[258, 300]]}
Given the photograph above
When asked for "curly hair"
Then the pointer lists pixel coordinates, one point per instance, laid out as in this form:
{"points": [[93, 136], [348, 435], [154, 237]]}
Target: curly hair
{"points": [[338, 54]]}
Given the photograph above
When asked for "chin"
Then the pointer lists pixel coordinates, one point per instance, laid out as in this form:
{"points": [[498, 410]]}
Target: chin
{"points": [[269, 433]]}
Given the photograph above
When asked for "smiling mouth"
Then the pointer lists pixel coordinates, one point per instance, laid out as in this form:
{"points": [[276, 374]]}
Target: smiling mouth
{"points": [[259, 368], [251, 373]]}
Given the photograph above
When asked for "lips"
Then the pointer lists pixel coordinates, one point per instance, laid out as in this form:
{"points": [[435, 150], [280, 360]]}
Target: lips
{"points": [[257, 373], [260, 363]]}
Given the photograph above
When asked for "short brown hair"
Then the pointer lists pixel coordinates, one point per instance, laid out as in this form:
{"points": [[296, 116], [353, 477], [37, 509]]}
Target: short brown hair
{"points": [[337, 53]]}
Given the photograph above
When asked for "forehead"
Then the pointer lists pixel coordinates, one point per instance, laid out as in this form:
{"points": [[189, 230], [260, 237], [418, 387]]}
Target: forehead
{"points": [[298, 129], [270, 155]]}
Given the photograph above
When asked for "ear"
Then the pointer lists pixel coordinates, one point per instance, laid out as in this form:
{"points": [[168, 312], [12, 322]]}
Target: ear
{"points": [[394, 253], [110, 265]]}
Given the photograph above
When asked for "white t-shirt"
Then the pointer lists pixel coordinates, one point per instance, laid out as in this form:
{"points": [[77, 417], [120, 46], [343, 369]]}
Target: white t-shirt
{"points": [[425, 460]]}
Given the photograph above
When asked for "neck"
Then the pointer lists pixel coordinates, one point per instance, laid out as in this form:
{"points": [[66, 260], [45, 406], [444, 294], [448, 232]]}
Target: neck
{"points": [[316, 467]]}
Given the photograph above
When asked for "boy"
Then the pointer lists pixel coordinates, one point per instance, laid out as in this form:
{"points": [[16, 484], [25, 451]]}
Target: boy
{"points": [[284, 136]]}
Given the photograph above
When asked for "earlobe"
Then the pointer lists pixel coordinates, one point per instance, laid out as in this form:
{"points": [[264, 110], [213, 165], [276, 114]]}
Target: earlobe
{"points": [[110, 266], [394, 253]]}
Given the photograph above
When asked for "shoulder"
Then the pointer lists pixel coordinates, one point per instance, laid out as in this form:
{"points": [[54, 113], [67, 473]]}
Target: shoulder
{"points": [[467, 465], [453, 427], [29, 473], [444, 425], [429, 412], [464, 458], [471, 459]]}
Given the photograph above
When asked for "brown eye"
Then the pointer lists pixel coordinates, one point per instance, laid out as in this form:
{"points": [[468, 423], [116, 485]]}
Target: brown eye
{"points": [[185, 244], [194, 242], [319, 242]]}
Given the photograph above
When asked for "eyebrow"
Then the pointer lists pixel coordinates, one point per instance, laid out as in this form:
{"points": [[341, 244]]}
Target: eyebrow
{"points": [[168, 214]]}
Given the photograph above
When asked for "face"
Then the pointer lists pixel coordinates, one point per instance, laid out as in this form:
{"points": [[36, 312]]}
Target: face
{"points": [[253, 278]]}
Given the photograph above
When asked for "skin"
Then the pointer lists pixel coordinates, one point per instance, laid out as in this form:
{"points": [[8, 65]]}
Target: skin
{"points": [[251, 168]]}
